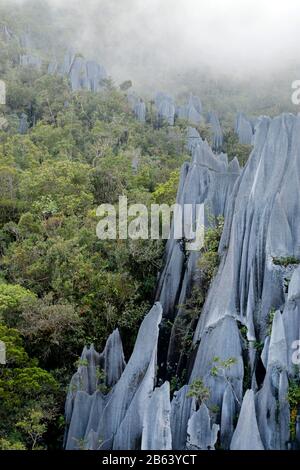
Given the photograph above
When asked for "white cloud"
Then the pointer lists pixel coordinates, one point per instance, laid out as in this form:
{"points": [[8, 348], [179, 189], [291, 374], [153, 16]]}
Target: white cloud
{"points": [[147, 36]]}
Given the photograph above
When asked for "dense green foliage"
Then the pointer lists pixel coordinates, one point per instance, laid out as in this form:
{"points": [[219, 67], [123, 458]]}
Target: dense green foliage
{"points": [[199, 391], [294, 402], [209, 260], [25, 389], [286, 261], [60, 286]]}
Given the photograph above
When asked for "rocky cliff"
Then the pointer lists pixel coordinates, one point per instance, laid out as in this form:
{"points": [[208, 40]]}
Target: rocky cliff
{"points": [[241, 359]]}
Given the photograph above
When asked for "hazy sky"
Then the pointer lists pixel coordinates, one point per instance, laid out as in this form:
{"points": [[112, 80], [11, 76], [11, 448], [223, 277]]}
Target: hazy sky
{"points": [[145, 37]]}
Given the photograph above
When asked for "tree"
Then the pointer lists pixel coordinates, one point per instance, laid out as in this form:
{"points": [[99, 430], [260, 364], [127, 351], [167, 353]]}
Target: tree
{"points": [[12, 299], [32, 427], [234, 149], [23, 385], [165, 193], [221, 369], [199, 391], [52, 331]]}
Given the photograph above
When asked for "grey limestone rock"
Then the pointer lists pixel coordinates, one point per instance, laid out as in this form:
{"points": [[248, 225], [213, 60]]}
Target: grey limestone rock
{"points": [[193, 139], [23, 124], [29, 60], [6, 33], [294, 286], [217, 132], [139, 374], [181, 409], [228, 412], [207, 180], [137, 105], [246, 435], [165, 108], [52, 67], [64, 68], [140, 111], [156, 423], [26, 40], [111, 361], [78, 74], [277, 356], [201, 433], [83, 74], [244, 129], [115, 420], [79, 420], [192, 111], [261, 206], [229, 347]]}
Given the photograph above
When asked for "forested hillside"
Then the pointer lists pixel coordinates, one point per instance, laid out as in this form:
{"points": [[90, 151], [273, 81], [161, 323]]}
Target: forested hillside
{"points": [[64, 150], [60, 286]]}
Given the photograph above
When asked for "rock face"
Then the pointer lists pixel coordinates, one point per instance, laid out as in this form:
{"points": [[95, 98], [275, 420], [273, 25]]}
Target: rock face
{"points": [[181, 409], [247, 326], [26, 41], [192, 111], [86, 75], [165, 108], [249, 285], [115, 419], [201, 434], [217, 132], [29, 60], [138, 106], [95, 373], [156, 423], [6, 33], [228, 412], [246, 434], [23, 124], [208, 180], [83, 74], [244, 129], [140, 111]]}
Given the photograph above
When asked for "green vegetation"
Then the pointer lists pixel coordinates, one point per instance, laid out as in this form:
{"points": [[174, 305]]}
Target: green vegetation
{"points": [[198, 391], [27, 393], [201, 393], [12, 299], [294, 402], [60, 286], [286, 261], [270, 321], [33, 427], [166, 192], [259, 346], [221, 368], [209, 260], [234, 149], [185, 323]]}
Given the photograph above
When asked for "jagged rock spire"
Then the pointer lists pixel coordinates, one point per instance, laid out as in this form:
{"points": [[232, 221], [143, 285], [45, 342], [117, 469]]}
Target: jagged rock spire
{"points": [[246, 434], [258, 274]]}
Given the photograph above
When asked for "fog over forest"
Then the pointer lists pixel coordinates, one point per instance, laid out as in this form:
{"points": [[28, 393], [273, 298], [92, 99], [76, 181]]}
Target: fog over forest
{"points": [[154, 41]]}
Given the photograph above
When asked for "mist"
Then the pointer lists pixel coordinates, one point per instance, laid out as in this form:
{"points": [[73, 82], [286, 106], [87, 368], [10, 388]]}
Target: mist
{"points": [[150, 41]]}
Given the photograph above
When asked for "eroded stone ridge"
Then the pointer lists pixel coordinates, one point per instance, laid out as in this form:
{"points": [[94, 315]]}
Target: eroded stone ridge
{"points": [[250, 319]]}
